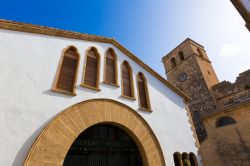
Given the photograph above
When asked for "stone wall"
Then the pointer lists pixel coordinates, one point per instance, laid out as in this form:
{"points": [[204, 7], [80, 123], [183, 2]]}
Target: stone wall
{"points": [[228, 145], [223, 146], [196, 86], [227, 93]]}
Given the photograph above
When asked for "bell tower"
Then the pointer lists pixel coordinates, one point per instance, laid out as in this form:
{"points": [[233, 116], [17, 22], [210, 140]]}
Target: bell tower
{"points": [[189, 69]]}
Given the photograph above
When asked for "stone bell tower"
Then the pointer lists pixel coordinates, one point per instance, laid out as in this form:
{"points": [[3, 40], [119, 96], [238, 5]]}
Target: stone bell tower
{"points": [[189, 69]]}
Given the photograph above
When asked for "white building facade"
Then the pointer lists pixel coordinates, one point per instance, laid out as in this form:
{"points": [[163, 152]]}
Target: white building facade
{"points": [[30, 111]]}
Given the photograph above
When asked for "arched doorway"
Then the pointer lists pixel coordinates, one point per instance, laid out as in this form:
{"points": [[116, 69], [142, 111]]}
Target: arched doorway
{"points": [[103, 145], [54, 142]]}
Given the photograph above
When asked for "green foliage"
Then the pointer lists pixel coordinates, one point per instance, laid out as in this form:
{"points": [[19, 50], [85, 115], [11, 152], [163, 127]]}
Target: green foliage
{"points": [[186, 162]]}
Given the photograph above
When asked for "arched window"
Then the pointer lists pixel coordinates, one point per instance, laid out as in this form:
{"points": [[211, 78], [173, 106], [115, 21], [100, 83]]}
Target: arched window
{"points": [[91, 73], [192, 159], [110, 68], [185, 159], [224, 121], [143, 92], [127, 81], [181, 55], [200, 53], [67, 71], [177, 159], [173, 62]]}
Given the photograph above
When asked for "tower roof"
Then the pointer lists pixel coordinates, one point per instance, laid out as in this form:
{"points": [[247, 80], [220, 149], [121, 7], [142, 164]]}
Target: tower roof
{"points": [[182, 44]]}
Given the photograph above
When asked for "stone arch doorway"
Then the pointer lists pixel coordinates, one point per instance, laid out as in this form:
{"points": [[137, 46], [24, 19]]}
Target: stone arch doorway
{"points": [[53, 144], [103, 145]]}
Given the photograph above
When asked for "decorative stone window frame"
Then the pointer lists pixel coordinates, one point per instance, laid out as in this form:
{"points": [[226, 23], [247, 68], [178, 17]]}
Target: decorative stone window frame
{"points": [[146, 91], [116, 70], [97, 88], [41, 30], [58, 72], [131, 82]]}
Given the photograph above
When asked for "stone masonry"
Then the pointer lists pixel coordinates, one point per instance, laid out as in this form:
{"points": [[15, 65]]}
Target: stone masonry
{"points": [[188, 68], [228, 145], [231, 143], [200, 77], [228, 94]]}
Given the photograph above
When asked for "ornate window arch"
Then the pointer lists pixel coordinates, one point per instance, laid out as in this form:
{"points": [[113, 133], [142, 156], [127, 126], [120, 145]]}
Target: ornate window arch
{"points": [[177, 159], [66, 77], [224, 121], [127, 81], [142, 88], [193, 159], [91, 73], [110, 68], [173, 62]]}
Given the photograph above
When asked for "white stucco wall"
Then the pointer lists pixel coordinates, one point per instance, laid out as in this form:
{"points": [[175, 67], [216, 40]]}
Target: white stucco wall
{"points": [[28, 64]]}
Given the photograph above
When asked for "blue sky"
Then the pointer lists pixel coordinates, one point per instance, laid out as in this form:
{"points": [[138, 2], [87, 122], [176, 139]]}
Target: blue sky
{"points": [[148, 28]]}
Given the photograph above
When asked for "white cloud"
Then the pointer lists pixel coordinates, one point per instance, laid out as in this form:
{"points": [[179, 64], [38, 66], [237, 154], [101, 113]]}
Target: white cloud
{"points": [[229, 50]]}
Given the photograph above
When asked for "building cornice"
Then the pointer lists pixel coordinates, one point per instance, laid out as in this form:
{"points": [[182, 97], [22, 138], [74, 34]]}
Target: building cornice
{"points": [[37, 29], [181, 45], [227, 109]]}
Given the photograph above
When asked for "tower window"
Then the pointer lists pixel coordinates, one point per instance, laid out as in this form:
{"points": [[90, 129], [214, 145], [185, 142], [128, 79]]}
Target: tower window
{"points": [[143, 92], [181, 55], [127, 81], [110, 73], [173, 62], [200, 53], [91, 72], [67, 71], [224, 121]]}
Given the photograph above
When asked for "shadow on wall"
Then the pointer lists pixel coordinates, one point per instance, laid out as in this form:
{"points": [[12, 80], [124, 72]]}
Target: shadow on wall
{"points": [[23, 152], [84, 89], [144, 112], [51, 93], [109, 86]]}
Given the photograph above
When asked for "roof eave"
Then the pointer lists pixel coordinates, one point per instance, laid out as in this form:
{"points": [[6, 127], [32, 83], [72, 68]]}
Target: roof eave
{"points": [[37, 29]]}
